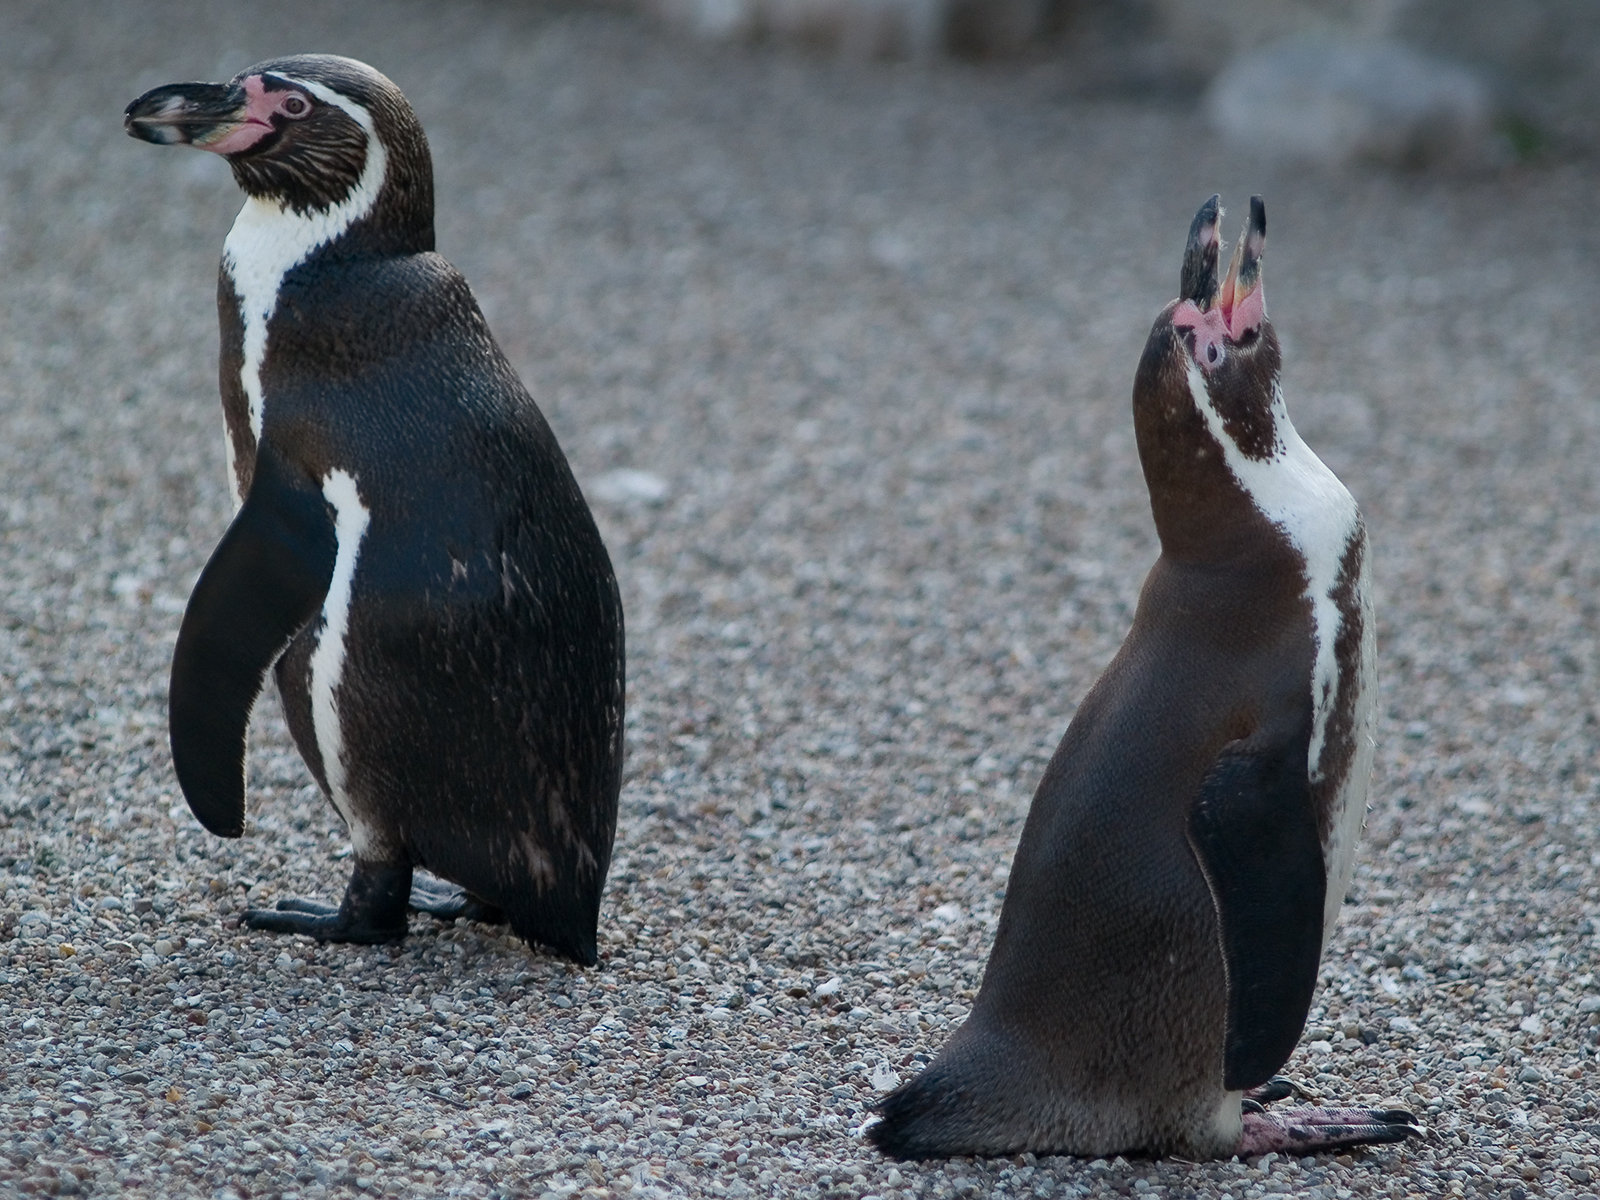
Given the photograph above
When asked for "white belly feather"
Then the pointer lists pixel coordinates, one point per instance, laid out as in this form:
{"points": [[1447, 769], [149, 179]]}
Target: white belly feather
{"points": [[351, 518], [1297, 492]]}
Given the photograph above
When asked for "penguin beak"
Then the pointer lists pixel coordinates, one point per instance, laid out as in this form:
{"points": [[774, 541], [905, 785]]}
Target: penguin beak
{"points": [[1241, 300], [1199, 280], [210, 116]]}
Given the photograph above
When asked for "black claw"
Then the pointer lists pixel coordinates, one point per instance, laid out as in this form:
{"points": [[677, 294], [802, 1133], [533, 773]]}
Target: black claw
{"points": [[314, 907], [1250, 1106], [1383, 1134], [1272, 1090], [1394, 1116]]}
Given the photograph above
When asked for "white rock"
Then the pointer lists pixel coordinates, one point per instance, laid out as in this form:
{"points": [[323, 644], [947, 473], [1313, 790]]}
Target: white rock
{"points": [[625, 486], [1336, 99]]}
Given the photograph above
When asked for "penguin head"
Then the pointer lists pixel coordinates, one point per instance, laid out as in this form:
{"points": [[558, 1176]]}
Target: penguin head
{"points": [[311, 133], [1207, 389], [1222, 331]]}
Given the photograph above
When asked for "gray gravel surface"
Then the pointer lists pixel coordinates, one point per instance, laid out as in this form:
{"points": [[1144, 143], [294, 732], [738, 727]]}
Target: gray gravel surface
{"points": [[871, 333]]}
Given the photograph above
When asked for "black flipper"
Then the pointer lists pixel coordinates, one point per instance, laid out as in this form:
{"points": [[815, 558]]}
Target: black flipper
{"points": [[264, 582], [1254, 828]]}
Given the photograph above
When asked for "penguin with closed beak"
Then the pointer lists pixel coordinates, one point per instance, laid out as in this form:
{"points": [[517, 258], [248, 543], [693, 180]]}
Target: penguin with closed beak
{"points": [[1183, 862], [411, 554]]}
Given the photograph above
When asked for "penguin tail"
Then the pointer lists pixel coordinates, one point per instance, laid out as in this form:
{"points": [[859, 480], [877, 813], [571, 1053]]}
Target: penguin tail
{"points": [[928, 1117], [574, 941]]}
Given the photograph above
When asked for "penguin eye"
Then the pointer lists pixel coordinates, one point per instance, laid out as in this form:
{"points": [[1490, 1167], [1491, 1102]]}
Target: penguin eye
{"points": [[1213, 353], [294, 106]]}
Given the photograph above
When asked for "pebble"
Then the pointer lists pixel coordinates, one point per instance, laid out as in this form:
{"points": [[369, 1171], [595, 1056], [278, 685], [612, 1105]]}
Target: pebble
{"points": [[904, 532]]}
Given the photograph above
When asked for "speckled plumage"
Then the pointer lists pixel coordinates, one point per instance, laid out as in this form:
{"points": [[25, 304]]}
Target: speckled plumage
{"points": [[1190, 841], [426, 578]]}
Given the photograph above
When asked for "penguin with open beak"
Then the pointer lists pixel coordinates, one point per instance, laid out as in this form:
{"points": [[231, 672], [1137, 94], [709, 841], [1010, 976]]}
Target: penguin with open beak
{"points": [[1182, 866]]}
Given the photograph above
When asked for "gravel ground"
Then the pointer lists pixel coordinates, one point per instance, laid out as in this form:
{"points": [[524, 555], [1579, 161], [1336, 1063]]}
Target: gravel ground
{"points": [[874, 330]]}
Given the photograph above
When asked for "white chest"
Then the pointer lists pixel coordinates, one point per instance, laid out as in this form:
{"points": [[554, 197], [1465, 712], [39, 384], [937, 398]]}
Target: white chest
{"points": [[1295, 490]]}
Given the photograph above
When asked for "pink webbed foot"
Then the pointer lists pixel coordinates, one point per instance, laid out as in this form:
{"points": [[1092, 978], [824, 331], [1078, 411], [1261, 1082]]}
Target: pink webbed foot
{"points": [[1308, 1130]]}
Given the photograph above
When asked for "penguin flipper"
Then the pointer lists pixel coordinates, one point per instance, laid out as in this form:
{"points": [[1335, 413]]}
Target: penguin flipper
{"points": [[264, 582], [1254, 829]]}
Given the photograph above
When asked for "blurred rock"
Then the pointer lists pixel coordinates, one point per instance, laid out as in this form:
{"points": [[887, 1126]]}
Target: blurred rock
{"points": [[628, 486], [1539, 59], [1334, 100], [1542, 57], [872, 28]]}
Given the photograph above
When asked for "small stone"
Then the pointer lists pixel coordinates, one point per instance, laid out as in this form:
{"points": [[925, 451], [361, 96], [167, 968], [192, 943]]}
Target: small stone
{"points": [[1530, 1075]]}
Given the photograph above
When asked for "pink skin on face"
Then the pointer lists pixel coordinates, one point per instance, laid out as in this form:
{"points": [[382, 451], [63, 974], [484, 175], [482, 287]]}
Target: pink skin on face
{"points": [[1215, 328], [260, 107], [1210, 332]]}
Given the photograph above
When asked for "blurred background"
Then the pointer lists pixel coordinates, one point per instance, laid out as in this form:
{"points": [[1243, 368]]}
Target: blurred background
{"points": [[1325, 74], [835, 306]]}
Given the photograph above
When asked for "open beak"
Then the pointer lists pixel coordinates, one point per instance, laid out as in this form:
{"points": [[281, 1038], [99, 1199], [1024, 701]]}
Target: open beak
{"points": [[205, 115], [1241, 300]]}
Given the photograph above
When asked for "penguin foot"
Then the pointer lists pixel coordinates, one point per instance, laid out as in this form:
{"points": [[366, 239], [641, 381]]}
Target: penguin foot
{"points": [[439, 898], [373, 910], [1311, 1130]]}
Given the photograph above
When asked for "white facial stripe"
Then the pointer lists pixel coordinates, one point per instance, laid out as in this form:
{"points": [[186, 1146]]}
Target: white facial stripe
{"points": [[269, 239], [1294, 490], [350, 519]]}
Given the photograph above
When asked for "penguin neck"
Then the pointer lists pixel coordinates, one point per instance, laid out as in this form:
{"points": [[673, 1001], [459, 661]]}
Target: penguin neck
{"points": [[389, 212], [1203, 514]]}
